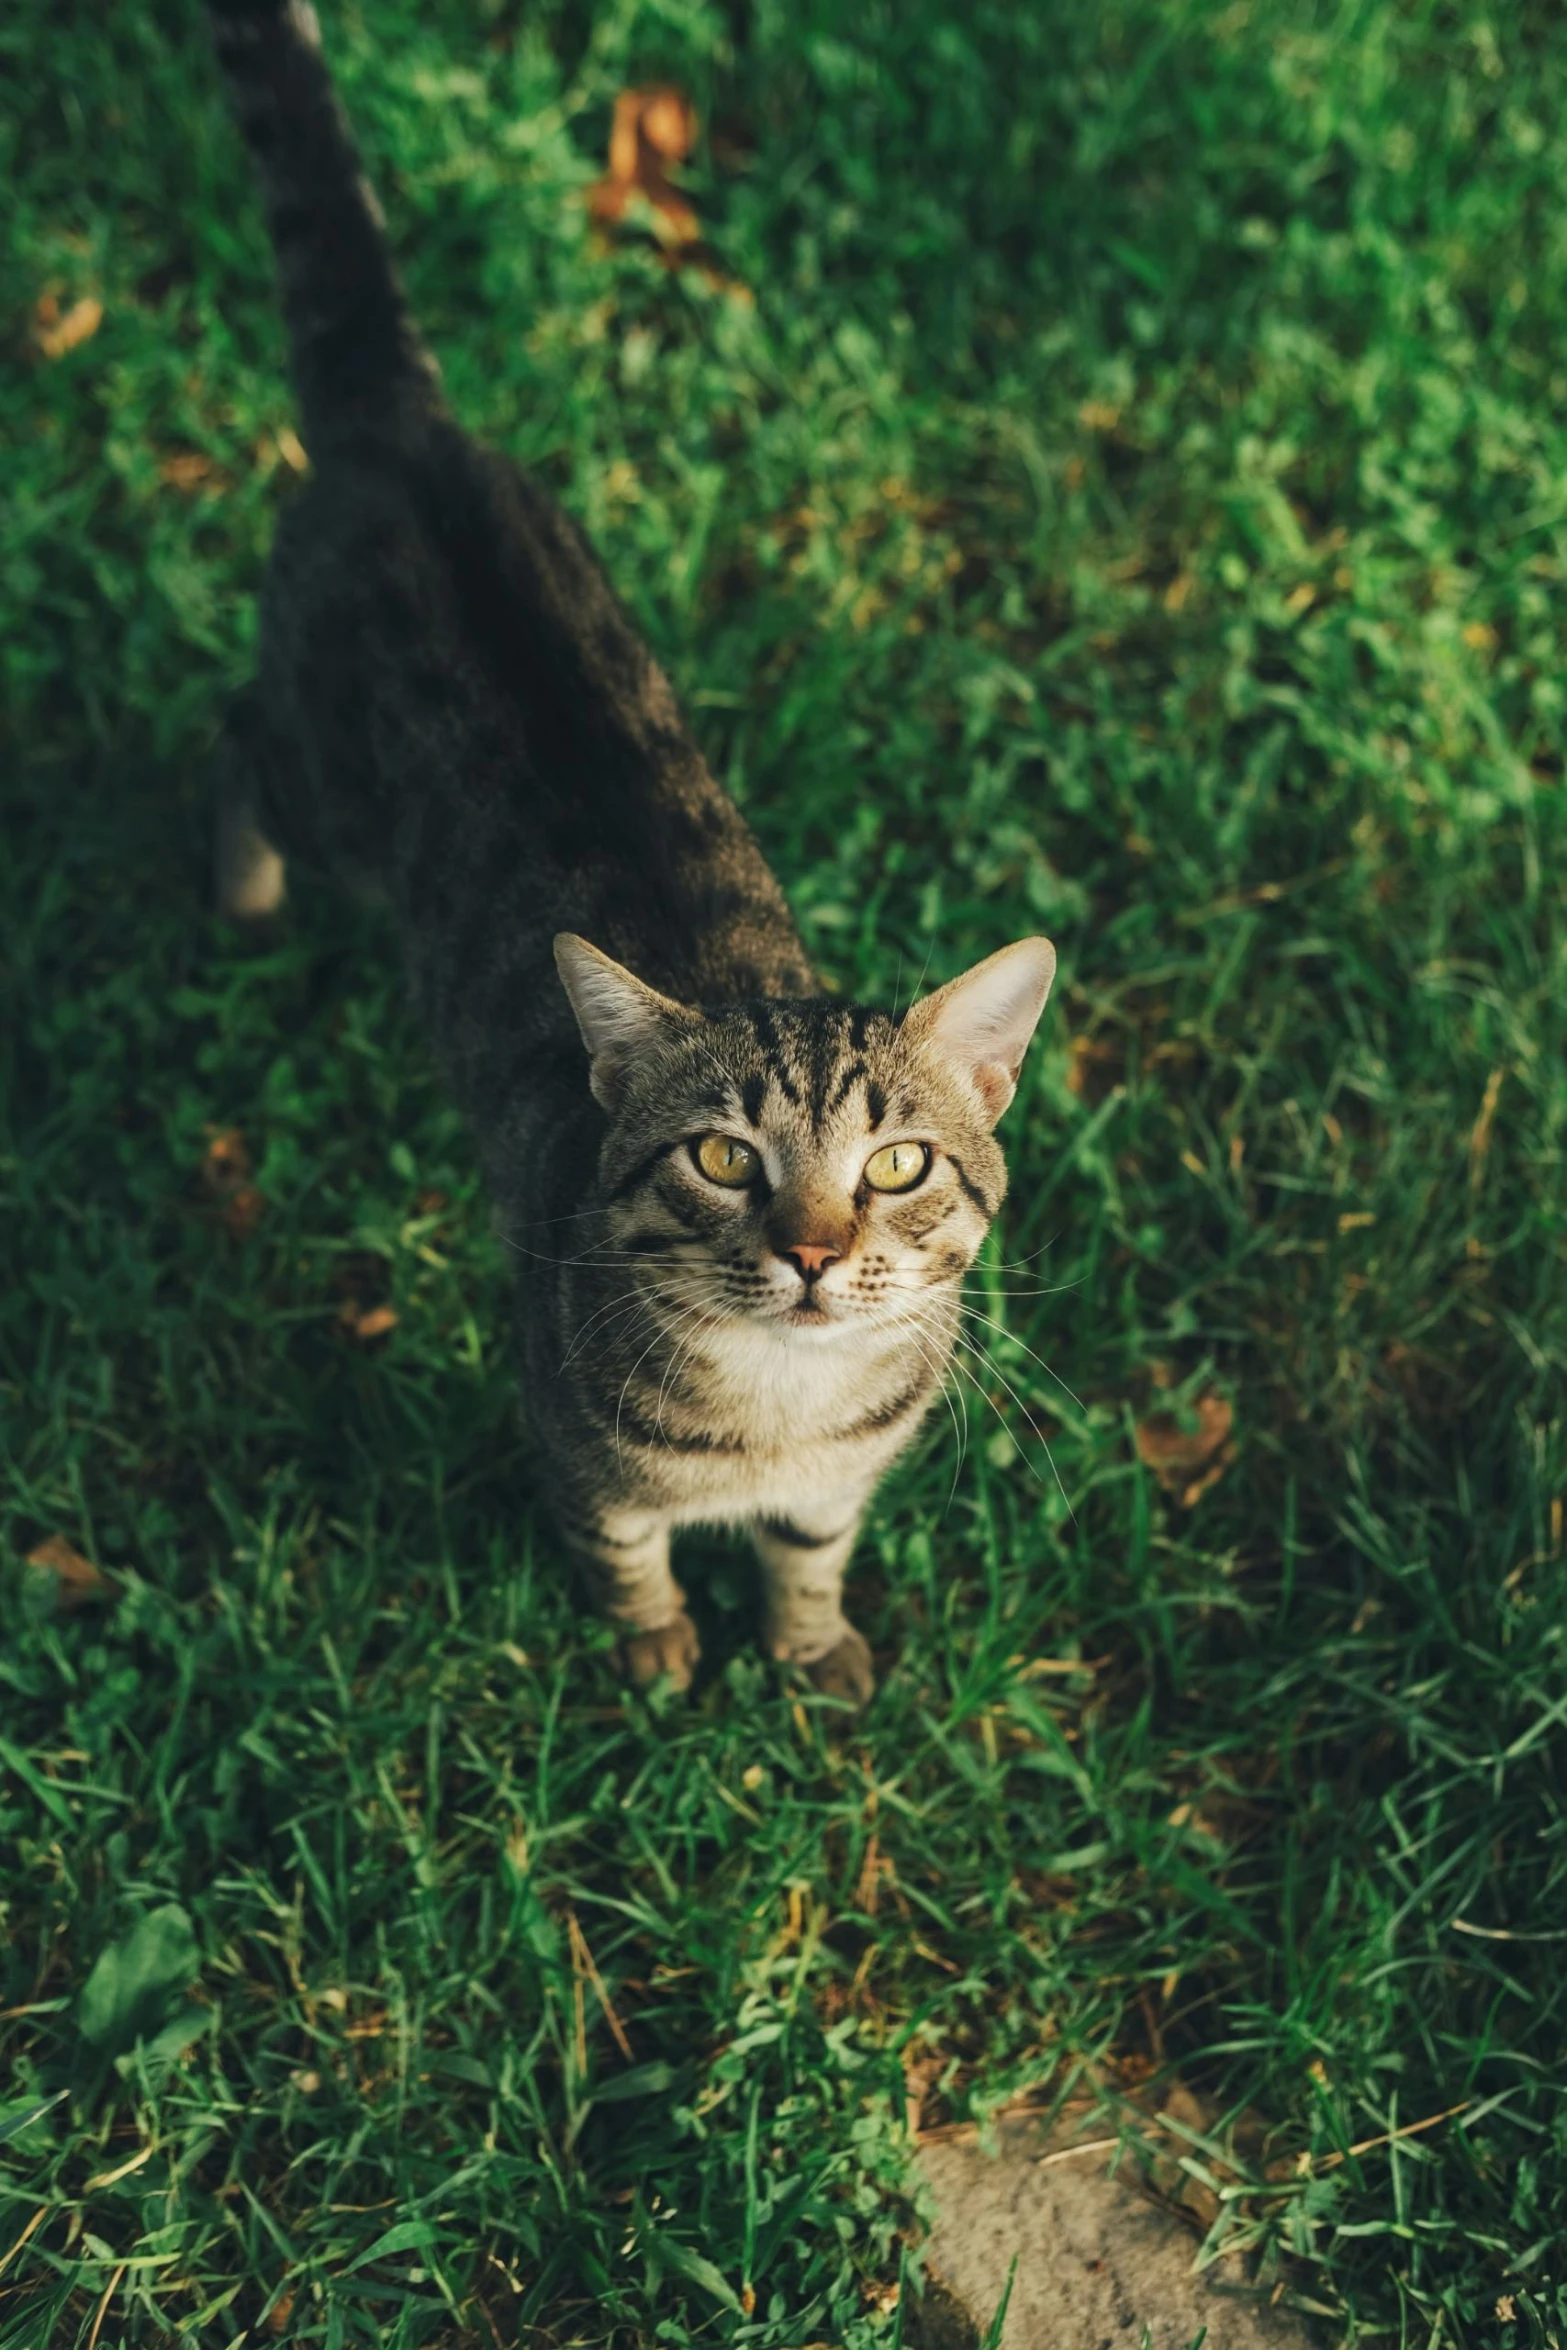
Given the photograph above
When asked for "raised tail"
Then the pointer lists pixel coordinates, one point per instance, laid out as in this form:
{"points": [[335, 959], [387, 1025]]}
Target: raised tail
{"points": [[358, 361]]}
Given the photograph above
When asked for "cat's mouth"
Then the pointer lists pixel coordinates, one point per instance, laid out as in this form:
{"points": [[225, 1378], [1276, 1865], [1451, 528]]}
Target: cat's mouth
{"points": [[812, 1312]]}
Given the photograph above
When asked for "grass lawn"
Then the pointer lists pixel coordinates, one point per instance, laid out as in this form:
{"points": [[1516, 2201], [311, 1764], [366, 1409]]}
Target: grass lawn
{"points": [[1127, 498]]}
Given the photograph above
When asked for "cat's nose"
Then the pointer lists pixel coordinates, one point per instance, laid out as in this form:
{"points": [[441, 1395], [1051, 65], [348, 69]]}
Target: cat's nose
{"points": [[809, 1261]]}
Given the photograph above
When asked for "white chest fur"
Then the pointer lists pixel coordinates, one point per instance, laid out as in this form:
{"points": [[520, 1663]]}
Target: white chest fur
{"points": [[804, 1404]]}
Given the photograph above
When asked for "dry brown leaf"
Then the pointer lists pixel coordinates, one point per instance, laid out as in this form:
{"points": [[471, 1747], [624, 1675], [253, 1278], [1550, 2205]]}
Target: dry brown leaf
{"points": [[186, 470], [55, 331], [922, 2069], [1092, 1067], [876, 1866], [78, 1583], [244, 1211], [227, 1163], [652, 127], [1187, 1461], [368, 1322], [282, 448], [225, 1172]]}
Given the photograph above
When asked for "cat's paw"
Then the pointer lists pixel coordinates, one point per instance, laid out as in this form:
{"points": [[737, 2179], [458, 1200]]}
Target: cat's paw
{"points": [[845, 1673], [673, 1648]]}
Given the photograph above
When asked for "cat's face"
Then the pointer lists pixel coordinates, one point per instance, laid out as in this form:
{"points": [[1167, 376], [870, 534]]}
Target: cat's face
{"points": [[811, 1166]]}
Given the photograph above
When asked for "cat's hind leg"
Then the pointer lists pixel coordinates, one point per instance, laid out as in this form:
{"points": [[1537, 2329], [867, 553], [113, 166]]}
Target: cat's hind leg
{"points": [[248, 873]]}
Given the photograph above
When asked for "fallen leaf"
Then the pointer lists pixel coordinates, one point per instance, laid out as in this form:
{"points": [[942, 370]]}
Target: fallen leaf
{"points": [[55, 331], [652, 127], [1091, 1067], [867, 1893], [244, 1211], [78, 1581], [368, 1322], [186, 470], [225, 1171], [227, 1163], [1187, 1460]]}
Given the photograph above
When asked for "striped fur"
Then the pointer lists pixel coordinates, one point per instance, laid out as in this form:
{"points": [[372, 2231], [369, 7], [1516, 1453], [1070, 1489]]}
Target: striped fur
{"points": [[453, 712], [356, 351]]}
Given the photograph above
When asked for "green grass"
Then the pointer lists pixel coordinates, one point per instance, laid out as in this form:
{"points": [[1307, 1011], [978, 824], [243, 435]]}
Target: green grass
{"points": [[1134, 505]]}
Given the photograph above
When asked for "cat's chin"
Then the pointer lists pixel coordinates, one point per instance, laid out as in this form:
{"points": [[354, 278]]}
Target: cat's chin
{"points": [[842, 1326], [813, 1322]]}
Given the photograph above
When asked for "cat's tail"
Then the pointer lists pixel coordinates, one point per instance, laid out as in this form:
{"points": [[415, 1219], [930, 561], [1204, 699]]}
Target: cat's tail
{"points": [[358, 361]]}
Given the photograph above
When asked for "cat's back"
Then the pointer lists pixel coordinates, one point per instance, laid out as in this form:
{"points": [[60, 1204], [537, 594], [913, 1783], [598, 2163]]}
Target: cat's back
{"points": [[463, 682]]}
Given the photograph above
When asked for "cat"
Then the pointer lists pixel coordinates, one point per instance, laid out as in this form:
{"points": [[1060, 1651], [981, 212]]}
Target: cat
{"points": [[742, 1209]]}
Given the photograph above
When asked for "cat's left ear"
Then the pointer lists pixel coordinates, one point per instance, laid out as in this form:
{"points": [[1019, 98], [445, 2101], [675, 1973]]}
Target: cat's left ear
{"points": [[980, 1024], [618, 1015]]}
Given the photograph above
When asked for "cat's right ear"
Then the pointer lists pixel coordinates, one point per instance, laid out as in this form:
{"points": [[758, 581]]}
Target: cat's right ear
{"points": [[619, 1017]]}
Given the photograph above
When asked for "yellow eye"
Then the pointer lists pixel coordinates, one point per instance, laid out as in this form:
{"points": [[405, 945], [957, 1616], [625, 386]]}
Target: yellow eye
{"points": [[897, 1166], [724, 1158]]}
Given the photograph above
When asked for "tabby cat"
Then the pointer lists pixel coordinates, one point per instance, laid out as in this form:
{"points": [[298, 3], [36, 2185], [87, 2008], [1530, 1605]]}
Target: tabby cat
{"points": [[743, 1210]]}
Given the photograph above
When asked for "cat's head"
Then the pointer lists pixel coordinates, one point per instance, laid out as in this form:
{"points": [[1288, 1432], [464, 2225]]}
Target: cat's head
{"points": [[807, 1164]]}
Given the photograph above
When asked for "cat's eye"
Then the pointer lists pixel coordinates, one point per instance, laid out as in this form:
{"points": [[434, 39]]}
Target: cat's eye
{"points": [[724, 1158], [897, 1166]]}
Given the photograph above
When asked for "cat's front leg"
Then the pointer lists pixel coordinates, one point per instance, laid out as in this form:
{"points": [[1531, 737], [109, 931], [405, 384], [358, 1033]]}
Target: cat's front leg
{"points": [[625, 1553], [803, 1558]]}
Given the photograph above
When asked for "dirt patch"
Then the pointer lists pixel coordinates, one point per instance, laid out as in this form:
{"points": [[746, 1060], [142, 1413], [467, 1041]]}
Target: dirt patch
{"points": [[1097, 2260]]}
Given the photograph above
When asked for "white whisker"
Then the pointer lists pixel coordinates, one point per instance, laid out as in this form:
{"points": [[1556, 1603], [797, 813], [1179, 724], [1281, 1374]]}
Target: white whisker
{"points": [[684, 1348], [994, 1368], [631, 1374], [625, 1303], [910, 1323], [1002, 1330]]}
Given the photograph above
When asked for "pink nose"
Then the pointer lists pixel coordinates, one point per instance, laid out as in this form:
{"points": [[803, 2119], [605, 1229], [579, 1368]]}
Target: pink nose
{"points": [[809, 1261]]}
